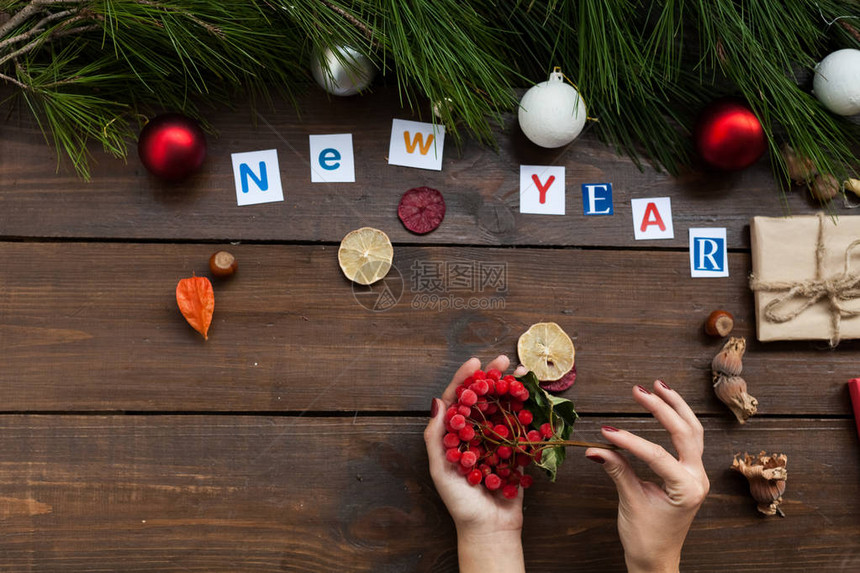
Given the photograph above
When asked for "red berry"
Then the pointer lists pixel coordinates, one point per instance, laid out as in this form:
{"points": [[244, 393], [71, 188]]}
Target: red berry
{"points": [[493, 459], [538, 455], [468, 459], [494, 374], [533, 435], [510, 491], [504, 452], [453, 455], [526, 482], [451, 440], [466, 434], [485, 469], [517, 405], [479, 375], [463, 469], [491, 409], [464, 411], [480, 387], [458, 422], [449, 413], [503, 471], [501, 431], [468, 398], [493, 482], [546, 430], [474, 477], [501, 387], [523, 460], [476, 441], [459, 390], [482, 405], [525, 417], [516, 387]]}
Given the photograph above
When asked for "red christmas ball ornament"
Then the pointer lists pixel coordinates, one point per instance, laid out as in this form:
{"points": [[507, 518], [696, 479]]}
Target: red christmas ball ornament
{"points": [[172, 146], [729, 136]]}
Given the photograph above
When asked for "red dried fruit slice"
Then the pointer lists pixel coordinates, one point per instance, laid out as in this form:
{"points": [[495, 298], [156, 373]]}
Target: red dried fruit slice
{"points": [[421, 209], [562, 383]]}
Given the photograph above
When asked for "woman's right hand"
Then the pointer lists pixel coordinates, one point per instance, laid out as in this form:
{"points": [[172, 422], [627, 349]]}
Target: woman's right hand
{"points": [[653, 519]]}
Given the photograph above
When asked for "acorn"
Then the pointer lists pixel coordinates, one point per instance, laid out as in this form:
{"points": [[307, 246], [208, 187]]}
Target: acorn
{"points": [[729, 359], [800, 168], [766, 475], [222, 264], [732, 391], [824, 187], [720, 323]]}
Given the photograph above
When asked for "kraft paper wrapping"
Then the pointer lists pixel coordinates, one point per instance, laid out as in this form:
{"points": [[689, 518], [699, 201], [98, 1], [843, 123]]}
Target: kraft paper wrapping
{"points": [[803, 290]]}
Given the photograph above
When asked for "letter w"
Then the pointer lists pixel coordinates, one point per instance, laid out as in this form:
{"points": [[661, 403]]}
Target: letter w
{"points": [[418, 140]]}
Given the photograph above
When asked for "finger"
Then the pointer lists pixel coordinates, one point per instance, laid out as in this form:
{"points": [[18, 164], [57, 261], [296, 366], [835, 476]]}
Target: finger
{"points": [[433, 434], [521, 370], [500, 363], [684, 437], [618, 468], [679, 404], [657, 458], [449, 396]]}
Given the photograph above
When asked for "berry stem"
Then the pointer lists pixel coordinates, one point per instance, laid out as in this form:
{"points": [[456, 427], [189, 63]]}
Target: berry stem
{"points": [[569, 443]]}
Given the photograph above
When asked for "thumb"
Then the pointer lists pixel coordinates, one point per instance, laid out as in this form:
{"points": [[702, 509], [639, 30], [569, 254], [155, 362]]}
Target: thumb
{"points": [[616, 467], [433, 434]]}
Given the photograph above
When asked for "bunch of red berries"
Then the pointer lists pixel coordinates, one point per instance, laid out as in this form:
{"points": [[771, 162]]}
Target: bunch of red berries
{"points": [[490, 434]]}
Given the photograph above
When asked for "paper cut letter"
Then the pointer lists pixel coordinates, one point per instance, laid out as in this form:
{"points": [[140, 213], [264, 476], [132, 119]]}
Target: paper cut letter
{"points": [[331, 158], [708, 256], [652, 218], [542, 189], [594, 193], [416, 144], [257, 177]]}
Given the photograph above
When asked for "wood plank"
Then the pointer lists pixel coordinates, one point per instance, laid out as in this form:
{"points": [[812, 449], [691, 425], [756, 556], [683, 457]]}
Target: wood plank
{"points": [[481, 187], [95, 327], [232, 493]]}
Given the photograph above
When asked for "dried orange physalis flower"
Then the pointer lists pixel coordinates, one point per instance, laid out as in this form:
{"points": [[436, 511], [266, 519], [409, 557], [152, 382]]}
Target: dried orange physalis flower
{"points": [[196, 302]]}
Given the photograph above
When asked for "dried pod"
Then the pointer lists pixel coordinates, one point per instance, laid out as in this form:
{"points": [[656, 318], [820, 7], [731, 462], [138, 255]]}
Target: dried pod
{"points": [[852, 185], [824, 187], [732, 391], [766, 475], [729, 360], [720, 323], [800, 168]]}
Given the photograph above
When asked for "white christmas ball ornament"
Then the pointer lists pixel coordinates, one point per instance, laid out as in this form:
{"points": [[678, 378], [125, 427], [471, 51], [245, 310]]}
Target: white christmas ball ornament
{"points": [[837, 82], [342, 71], [552, 113]]}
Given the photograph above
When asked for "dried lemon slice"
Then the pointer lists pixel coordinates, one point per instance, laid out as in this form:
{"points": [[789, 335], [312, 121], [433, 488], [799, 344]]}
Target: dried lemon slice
{"points": [[546, 350], [365, 255]]}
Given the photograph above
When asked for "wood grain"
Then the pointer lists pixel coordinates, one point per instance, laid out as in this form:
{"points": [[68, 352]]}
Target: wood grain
{"points": [[216, 493], [95, 327], [480, 185]]}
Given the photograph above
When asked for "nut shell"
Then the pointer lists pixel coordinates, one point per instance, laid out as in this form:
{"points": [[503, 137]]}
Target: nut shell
{"points": [[222, 264], [729, 360], [720, 323]]}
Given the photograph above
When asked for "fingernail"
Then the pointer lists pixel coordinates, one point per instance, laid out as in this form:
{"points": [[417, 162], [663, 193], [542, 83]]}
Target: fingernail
{"points": [[643, 390], [663, 384], [596, 458], [434, 408], [610, 429]]}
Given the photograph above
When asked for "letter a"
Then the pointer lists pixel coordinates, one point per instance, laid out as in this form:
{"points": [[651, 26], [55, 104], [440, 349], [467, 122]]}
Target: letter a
{"points": [[652, 211], [418, 141]]}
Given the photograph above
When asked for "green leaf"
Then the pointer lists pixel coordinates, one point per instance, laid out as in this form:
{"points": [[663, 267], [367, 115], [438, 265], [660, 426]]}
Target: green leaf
{"points": [[560, 414]]}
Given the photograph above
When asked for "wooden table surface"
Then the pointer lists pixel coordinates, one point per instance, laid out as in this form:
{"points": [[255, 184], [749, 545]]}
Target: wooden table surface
{"points": [[291, 439]]}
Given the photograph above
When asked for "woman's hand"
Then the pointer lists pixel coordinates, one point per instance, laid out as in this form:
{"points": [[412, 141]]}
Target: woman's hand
{"points": [[489, 527], [653, 519]]}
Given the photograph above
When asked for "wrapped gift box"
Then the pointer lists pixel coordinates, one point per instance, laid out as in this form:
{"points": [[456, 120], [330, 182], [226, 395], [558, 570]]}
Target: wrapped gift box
{"points": [[806, 277]]}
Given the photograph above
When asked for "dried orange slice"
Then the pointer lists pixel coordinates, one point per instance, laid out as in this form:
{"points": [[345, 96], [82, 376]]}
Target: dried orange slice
{"points": [[365, 255], [546, 350]]}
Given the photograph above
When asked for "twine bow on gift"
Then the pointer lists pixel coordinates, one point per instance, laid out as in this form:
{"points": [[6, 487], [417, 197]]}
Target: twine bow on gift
{"points": [[836, 289]]}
